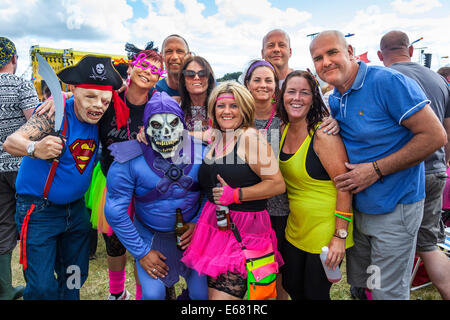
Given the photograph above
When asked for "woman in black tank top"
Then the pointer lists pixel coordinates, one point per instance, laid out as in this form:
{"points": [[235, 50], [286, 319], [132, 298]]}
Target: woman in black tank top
{"points": [[241, 160], [237, 173]]}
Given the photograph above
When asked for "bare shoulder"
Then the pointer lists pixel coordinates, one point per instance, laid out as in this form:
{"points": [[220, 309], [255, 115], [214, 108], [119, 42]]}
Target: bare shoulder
{"points": [[328, 142], [324, 137]]}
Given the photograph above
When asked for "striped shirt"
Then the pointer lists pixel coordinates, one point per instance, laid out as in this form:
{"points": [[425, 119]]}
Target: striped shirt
{"points": [[16, 95]]}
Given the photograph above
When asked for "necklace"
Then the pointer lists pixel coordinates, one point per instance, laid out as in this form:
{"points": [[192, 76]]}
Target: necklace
{"points": [[264, 131], [271, 116]]}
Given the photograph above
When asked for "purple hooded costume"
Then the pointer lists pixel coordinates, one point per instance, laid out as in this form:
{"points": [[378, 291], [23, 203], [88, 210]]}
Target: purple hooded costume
{"points": [[159, 187]]}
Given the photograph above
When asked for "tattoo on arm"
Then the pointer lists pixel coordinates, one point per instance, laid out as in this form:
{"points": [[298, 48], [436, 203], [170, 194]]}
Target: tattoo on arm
{"points": [[38, 126]]}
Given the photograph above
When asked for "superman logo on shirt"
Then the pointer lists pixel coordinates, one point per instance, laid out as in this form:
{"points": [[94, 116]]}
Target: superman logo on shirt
{"points": [[82, 152]]}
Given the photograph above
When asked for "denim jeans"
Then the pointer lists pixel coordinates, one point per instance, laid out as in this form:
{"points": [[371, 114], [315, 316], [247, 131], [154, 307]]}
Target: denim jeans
{"points": [[57, 241]]}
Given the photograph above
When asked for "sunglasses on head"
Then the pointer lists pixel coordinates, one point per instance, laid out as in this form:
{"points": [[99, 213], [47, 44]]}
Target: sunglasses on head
{"points": [[192, 73]]}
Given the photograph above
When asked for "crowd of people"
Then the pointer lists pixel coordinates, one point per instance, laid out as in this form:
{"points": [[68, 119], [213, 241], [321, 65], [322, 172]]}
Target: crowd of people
{"points": [[359, 169]]}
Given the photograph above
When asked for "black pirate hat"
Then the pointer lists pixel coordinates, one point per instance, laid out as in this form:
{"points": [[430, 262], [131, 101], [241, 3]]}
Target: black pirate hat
{"points": [[92, 70]]}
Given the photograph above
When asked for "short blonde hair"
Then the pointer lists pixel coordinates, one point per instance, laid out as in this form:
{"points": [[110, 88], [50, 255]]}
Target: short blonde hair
{"points": [[243, 98]]}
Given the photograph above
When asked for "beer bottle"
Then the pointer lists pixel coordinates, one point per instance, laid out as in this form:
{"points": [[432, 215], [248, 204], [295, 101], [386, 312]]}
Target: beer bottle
{"points": [[222, 215], [180, 227]]}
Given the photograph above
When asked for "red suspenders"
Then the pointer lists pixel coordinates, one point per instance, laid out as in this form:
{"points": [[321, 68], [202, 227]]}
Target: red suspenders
{"points": [[48, 183]]}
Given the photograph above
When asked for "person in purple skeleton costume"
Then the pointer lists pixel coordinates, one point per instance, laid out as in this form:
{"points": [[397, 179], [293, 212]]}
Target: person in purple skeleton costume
{"points": [[161, 177]]}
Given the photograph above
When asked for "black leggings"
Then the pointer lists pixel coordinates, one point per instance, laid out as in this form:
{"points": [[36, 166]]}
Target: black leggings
{"points": [[303, 274]]}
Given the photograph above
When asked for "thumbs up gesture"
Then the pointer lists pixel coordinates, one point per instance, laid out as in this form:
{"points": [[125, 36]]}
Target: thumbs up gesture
{"points": [[225, 194]]}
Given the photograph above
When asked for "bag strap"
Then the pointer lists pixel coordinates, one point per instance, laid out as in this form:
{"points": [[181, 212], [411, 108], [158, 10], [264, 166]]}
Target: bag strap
{"points": [[237, 235]]}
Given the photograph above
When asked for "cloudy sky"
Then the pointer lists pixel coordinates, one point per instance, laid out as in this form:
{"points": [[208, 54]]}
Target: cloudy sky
{"points": [[228, 33]]}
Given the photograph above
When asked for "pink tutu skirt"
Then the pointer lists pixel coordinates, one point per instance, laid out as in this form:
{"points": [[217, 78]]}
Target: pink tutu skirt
{"points": [[214, 252]]}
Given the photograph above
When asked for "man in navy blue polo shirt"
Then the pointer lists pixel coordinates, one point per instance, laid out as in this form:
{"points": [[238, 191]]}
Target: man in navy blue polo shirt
{"points": [[388, 129]]}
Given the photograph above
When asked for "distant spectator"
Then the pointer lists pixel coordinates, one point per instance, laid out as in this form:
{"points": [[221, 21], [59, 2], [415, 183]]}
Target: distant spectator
{"points": [[396, 52], [17, 101], [445, 72]]}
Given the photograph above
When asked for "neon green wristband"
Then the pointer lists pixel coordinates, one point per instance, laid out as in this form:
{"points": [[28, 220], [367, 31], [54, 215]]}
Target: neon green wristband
{"points": [[340, 216]]}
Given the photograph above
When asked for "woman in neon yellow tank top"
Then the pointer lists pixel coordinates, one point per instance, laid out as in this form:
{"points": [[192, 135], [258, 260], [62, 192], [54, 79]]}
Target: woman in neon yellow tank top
{"points": [[320, 215]]}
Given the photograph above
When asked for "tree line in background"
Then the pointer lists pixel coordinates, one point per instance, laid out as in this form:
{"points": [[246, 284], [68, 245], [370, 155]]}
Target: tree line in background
{"points": [[230, 76]]}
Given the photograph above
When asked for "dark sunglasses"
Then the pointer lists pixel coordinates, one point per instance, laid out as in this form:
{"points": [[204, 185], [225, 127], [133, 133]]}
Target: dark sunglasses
{"points": [[192, 73]]}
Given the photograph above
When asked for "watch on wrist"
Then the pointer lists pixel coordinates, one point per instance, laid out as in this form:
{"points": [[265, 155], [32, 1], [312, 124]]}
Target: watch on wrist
{"points": [[341, 234], [30, 149]]}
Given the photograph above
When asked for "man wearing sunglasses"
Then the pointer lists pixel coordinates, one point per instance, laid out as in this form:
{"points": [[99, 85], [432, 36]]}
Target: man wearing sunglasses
{"points": [[174, 51]]}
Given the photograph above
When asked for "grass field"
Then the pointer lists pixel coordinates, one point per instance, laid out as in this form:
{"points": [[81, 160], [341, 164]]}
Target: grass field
{"points": [[96, 286]]}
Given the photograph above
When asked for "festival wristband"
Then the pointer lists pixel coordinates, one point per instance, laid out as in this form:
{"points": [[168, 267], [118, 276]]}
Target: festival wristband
{"points": [[228, 195], [236, 195], [342, 217], [344, 213]]}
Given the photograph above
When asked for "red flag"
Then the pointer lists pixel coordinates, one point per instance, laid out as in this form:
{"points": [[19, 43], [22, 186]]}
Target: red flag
{"points": [[363, 57]]}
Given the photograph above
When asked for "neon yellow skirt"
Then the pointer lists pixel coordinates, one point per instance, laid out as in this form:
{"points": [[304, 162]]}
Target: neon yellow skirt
{"points": [[95, 201]]}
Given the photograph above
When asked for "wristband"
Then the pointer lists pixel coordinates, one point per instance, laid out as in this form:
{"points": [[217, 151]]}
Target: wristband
{"points": [[342, 217], [377, 170], [344, 213], [236, 195]]}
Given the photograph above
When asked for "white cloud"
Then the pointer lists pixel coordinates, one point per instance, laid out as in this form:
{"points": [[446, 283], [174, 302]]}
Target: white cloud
{"points": [[105, 16], [372, 23], [83, 19], [415, 6], [228, 38]]}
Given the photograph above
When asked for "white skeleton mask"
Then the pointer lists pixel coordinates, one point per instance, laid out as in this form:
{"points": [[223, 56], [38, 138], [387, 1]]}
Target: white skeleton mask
{"points": [[165, 131]]}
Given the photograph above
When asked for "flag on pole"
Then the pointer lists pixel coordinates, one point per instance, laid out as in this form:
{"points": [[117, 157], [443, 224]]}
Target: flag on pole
{"points": [[363, 57], [421, 38]]}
